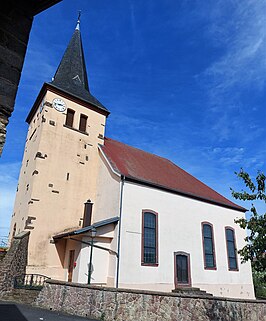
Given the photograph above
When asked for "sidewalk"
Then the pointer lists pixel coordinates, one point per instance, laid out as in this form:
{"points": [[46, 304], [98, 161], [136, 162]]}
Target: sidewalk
{"points": [[10, 311]]}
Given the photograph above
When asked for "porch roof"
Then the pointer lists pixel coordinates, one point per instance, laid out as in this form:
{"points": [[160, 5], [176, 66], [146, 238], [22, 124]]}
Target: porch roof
{"points": [[86, 229]]}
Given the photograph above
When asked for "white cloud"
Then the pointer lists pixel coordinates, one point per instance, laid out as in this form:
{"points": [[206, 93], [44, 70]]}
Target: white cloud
{"points": [[242, 32], [237, 29]]}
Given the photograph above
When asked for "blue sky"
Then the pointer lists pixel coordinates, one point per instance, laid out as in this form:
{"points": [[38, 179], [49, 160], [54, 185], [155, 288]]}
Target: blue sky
{"points": [[182, 79]]}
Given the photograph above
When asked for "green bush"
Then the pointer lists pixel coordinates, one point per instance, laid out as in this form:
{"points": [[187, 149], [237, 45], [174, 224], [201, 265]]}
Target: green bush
{"points": [[259, 279]]}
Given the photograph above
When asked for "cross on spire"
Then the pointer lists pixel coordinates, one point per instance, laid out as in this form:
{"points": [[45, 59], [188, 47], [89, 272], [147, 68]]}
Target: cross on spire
{"points": [[78, 22], [71, 74]]}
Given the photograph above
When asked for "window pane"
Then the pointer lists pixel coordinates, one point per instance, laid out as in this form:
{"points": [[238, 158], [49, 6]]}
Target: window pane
{"points": [[208, 246], [207, 230], [232, 263], [229, 235], [149, 220], [209, 260], [149, 255], [149, 237], [231, 249]]}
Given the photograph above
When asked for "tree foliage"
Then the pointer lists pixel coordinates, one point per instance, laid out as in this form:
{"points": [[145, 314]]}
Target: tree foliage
{"points": [[255, 249]]}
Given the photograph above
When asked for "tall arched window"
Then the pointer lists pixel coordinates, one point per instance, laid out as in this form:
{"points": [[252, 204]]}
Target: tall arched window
{"points": [[149, 238], [231, 249], [208, 246]]}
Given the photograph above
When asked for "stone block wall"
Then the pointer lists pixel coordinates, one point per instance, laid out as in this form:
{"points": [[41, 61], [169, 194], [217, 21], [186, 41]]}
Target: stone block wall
{"points": [[14, 262], [110, 304], [15, 26]]}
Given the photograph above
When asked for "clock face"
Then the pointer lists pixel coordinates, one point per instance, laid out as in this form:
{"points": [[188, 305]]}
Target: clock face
{"points": [[59, 104]]}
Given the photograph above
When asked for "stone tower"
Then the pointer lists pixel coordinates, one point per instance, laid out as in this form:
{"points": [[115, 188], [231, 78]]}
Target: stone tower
{"points": [[60, 162]]}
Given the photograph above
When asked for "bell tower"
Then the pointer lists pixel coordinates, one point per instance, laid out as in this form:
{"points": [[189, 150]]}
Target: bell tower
{"points": [[60, 162]]}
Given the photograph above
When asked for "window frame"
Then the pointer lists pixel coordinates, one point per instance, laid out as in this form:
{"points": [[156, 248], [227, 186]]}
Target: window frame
{"points": [[70, 111], [156, 240], [189, 284], [83, 116], [213, 246], [235, 246]]}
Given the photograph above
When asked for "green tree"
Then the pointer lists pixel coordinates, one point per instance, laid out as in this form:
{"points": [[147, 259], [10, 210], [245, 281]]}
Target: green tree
{"points": [[255, 249]]}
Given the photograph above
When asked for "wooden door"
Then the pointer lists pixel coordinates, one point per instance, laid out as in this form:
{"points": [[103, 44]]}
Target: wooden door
{"points": [[182, 269], [71, 265]]}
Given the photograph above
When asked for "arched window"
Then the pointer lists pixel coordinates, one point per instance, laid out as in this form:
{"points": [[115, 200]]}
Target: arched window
{"points": [[231, 249], [208, 246], [149, 238], [70, 117]]}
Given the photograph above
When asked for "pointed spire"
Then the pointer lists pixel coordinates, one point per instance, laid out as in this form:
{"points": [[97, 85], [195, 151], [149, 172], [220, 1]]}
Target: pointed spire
{"points": [[71, 74]]}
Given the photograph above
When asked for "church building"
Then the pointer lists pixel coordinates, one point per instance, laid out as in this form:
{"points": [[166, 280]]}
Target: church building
{"points": [[102, 212]]}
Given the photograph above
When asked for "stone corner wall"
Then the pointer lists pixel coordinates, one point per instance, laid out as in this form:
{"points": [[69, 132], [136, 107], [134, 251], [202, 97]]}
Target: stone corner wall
{"points": [[14, 262], [110, 304]]}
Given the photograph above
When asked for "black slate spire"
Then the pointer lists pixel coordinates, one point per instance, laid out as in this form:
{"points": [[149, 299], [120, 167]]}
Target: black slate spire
{"points": [[71, 74]]}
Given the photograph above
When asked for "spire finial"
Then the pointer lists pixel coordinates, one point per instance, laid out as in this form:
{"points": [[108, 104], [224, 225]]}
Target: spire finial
{"points": [[78, 22]]}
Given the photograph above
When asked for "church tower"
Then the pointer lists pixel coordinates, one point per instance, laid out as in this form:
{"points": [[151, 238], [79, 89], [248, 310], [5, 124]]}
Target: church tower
{"points": [[60, 162]]}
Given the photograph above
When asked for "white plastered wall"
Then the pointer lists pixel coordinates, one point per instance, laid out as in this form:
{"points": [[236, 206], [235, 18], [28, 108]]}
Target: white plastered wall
{"points": [[101, 258], [179, 226]]}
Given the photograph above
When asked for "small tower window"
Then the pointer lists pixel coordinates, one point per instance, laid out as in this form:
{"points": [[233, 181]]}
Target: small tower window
{"points": [[83, 123], [70, 117]]}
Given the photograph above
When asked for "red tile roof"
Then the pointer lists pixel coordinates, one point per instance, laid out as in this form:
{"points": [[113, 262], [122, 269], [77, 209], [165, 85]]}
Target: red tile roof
{"points": [[157, 171]]}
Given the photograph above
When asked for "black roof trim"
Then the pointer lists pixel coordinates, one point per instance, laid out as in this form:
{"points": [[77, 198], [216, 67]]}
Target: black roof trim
{"points": [[86, 229], [65, 94], [175, 191], [88, 98]]}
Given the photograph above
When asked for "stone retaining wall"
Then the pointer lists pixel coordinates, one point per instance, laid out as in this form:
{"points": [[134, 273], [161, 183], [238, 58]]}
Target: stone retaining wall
{"points": [[15, 262], [124, 305]]}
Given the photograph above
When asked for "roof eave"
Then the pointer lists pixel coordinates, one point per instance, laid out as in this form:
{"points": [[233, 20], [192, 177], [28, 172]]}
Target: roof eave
{"points": [[190, 195], [65, 94], [112, 220], [108, 162], [80, 98]]}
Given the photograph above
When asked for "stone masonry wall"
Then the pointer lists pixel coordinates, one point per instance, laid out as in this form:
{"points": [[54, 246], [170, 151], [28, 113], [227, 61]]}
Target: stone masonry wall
{"points": [[15, 26], [14, 263], [110, 304]]}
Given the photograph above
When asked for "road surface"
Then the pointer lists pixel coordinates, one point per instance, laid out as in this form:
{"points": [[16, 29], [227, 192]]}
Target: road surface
{"points": [[10, 311]]}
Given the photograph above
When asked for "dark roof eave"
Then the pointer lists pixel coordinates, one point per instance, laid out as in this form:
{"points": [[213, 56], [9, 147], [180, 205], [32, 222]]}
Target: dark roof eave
{"points": [[86, 229], [167, 189], [39, 6], [80, 98], [46, 86]]}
